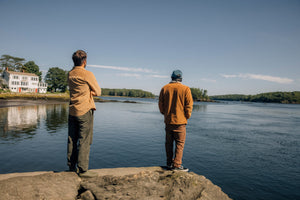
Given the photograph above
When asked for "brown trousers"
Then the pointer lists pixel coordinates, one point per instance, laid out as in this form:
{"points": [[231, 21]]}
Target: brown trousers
{"points": [[175, 133]]}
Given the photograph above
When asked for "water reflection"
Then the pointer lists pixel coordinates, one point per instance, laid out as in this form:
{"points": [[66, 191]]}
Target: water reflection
{"points": [[22, 122], [57, 116], [199, 108]]}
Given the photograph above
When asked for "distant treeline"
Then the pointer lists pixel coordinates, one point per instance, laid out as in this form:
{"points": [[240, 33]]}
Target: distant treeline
{"points": [[271, 97], [127, 93]]}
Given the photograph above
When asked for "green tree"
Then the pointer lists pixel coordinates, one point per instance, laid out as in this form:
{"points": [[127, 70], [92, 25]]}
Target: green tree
{"points": [[31, 67], [199, 94], [57, 79], [11, 62], [196, 93]]}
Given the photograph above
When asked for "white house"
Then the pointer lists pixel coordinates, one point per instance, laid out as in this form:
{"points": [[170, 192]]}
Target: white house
{"points": [[24, 82]]}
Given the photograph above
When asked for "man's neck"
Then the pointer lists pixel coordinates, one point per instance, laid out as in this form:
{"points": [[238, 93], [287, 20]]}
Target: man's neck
{"points": [[82, 66]]}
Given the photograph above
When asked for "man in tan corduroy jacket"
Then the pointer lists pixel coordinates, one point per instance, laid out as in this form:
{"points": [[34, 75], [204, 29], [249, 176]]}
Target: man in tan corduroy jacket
{"points": [[176, 104], [83, 86]]}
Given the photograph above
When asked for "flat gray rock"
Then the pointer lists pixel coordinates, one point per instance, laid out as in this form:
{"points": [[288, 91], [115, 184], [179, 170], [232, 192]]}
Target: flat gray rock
{"points": [[45, 186], [151, 183]]}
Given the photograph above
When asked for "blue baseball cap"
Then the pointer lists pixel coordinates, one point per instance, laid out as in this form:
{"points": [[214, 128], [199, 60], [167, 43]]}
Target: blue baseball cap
{"points": [[176, 74]]}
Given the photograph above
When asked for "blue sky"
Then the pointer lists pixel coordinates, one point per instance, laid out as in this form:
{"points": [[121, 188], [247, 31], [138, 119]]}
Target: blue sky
{"points": [[224, 46]]}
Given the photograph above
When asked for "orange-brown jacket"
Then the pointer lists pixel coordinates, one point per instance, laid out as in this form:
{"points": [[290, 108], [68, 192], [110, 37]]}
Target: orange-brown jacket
{"points": [[176, 103], [83, 86]]}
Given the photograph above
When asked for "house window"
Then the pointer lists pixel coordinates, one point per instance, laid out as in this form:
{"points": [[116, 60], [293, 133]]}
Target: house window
{"points": [[15, 77], [15, 82], [24, 78]]}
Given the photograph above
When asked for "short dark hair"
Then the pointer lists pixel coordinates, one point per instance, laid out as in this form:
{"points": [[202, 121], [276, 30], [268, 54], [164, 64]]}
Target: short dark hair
{"points": [[78, 57], [177, 79]]}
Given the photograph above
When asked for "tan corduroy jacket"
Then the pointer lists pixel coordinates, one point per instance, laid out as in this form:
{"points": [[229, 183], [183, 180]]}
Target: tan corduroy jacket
{"points": [[81, 85], [176, 103]]}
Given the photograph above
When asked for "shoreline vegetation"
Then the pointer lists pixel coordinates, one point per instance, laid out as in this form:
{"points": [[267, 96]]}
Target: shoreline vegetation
{"points": [[9, 99], [137, 93], [35, 96], [270, 97], [63, 97]]}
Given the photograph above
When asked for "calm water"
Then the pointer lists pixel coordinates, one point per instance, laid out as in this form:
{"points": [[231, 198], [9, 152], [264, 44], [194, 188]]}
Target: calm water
{"points": [[251, 150]]}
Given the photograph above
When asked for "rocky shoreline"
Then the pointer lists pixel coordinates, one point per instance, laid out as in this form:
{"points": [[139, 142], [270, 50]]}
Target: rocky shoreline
{"points": [[29, 101], [119, 183]]}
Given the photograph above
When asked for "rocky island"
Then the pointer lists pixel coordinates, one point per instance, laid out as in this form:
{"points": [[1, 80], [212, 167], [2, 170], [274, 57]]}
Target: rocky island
{"points": [[150, 183]]}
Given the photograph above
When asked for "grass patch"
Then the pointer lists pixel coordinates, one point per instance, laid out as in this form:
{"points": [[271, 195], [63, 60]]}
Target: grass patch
{"points": [[36, 96]]}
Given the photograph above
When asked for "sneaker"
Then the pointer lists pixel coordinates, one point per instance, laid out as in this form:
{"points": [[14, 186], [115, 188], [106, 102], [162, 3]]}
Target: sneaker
{"points": [[88, 174], [181, 168]]}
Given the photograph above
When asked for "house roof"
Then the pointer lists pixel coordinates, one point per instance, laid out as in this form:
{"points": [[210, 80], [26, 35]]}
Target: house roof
{"points": [[22, 73]]}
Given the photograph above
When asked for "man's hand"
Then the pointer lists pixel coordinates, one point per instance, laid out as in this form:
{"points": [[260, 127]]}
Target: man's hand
{"points": [[93, 93], [187, 115]]}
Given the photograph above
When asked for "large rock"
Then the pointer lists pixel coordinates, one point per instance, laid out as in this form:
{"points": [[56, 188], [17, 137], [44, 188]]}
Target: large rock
{"points": [[120, 183], [45, 186], [151, 183]]}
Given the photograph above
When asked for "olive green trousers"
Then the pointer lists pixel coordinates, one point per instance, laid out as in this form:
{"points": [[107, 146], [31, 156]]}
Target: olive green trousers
{"points": [[80, 136]]}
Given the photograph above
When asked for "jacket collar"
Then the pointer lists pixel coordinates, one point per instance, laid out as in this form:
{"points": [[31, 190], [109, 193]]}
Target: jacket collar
{"points": [[175, 82]]}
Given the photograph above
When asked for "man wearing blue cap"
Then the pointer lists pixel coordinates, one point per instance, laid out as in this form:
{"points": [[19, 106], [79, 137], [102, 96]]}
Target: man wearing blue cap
{"points": [[176, 104]]}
